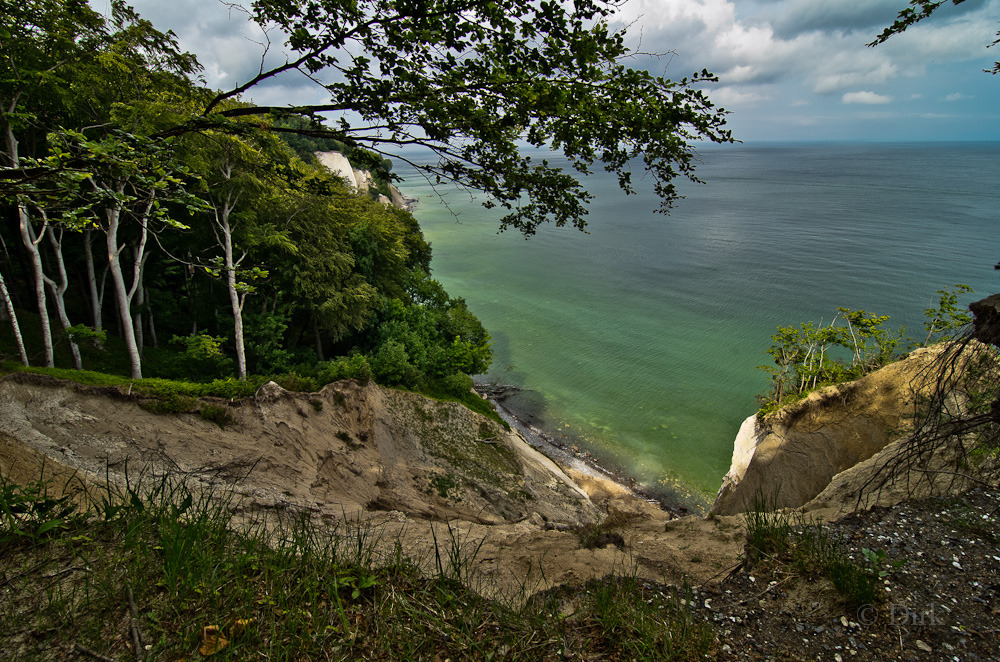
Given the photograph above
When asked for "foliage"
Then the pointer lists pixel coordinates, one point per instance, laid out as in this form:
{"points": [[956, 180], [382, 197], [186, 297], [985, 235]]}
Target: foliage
{"points": [[947, 319], [214, 230], [201, 360], [310, 263], [474, 84], [265, 345], [356, 366], [854, 344], [772, 538], [218, 414], [33, 512], [80, 333]]}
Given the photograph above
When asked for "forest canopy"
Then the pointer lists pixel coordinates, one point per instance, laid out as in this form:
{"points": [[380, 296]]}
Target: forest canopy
{"points": [[142, 203]]}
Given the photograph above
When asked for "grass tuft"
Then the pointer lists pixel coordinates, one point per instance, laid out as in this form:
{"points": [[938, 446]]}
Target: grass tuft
{"points": [[172, 567], [773, 539]]}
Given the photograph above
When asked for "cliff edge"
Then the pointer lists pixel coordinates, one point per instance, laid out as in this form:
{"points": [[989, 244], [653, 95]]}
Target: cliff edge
{"points": [[790, 456], [344, 451]]}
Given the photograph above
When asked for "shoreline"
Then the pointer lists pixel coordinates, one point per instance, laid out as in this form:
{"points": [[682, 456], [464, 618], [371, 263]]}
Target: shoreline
{"points": [[567, 455]]}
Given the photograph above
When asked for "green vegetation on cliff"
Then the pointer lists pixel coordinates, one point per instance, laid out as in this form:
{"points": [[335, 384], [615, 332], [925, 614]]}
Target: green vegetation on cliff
{"points": [[156, 571], [208, 253], [854, 344]]}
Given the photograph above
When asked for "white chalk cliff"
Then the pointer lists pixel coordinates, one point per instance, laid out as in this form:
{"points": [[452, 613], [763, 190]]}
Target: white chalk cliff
{"points": [[790, 456], [360, 181]]}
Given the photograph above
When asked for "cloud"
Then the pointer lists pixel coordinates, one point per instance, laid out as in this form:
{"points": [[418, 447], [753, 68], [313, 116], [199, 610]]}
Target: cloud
{"points": [[948, 36], [866, 98], [958, 96], [847, 69], [768, 54], [845, 15], [729, 96]]}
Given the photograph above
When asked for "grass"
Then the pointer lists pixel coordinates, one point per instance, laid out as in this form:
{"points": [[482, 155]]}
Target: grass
{"points": [[109, 366], [158, 567], [773, 539]]}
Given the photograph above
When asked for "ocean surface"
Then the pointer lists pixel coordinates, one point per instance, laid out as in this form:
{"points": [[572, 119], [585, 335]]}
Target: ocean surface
{"points": [[638, 342]]}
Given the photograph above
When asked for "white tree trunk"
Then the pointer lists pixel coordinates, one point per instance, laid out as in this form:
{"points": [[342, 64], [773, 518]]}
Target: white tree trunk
{"points": [[138, 293], [96, 293], [31, 243], [235, 300], [121, 293], [59, 295], [14, 160], [9, 306]]}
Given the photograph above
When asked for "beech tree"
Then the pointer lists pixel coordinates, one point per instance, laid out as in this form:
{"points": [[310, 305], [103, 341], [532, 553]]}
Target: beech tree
{"points": [[108, 109], [237, 172], [476, 80], [42, 41]]}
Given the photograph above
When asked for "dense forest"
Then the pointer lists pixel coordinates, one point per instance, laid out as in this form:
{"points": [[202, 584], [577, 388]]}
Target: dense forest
{"points": [[199, 253]]}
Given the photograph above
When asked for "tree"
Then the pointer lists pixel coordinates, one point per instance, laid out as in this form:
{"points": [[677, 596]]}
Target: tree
{"points": [[237, 172], [66, 66], [476, 80], [42, 40]]}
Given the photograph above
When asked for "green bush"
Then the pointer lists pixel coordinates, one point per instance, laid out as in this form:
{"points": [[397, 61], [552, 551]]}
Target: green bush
{"points": [[234, 388], [854, 344], [173, 404], [457, 384], [201, 359], [356, 366], [297, 383], [218, 414], [391, 364]]}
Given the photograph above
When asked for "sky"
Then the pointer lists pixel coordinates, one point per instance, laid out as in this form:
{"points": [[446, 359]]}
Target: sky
{"points": [[788, 69]]}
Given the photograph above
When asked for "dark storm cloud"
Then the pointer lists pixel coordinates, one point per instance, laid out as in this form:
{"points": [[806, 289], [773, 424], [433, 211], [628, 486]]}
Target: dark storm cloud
{"points": [[871, 16]]}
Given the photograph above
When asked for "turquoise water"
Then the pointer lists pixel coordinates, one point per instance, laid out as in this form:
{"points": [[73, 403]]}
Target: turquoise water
{"points": [[639, 340]]}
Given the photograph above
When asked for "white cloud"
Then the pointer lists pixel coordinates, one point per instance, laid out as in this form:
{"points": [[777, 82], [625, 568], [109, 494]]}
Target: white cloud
{"points": [[768, 54], [957, 96], [866, 98], [729, 96], [847, 70]]}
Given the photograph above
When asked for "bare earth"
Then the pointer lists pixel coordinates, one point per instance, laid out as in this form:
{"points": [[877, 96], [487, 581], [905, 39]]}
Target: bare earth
{"points": [[419, 470]]}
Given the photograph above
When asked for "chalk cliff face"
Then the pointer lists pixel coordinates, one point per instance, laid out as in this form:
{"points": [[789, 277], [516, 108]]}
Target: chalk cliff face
{"points": [[337, 163], [360, 181], [791, 455], [347, 450]]}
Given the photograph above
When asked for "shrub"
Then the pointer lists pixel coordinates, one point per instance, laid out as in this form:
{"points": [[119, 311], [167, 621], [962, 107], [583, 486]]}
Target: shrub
{"points": [[218, 414], [297, 383], [355, 366], [457, 384], [202, 358], [391, 364]]}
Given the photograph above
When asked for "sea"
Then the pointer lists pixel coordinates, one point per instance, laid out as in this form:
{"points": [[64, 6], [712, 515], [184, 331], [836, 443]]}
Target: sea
{"points": [[638, 341]]}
